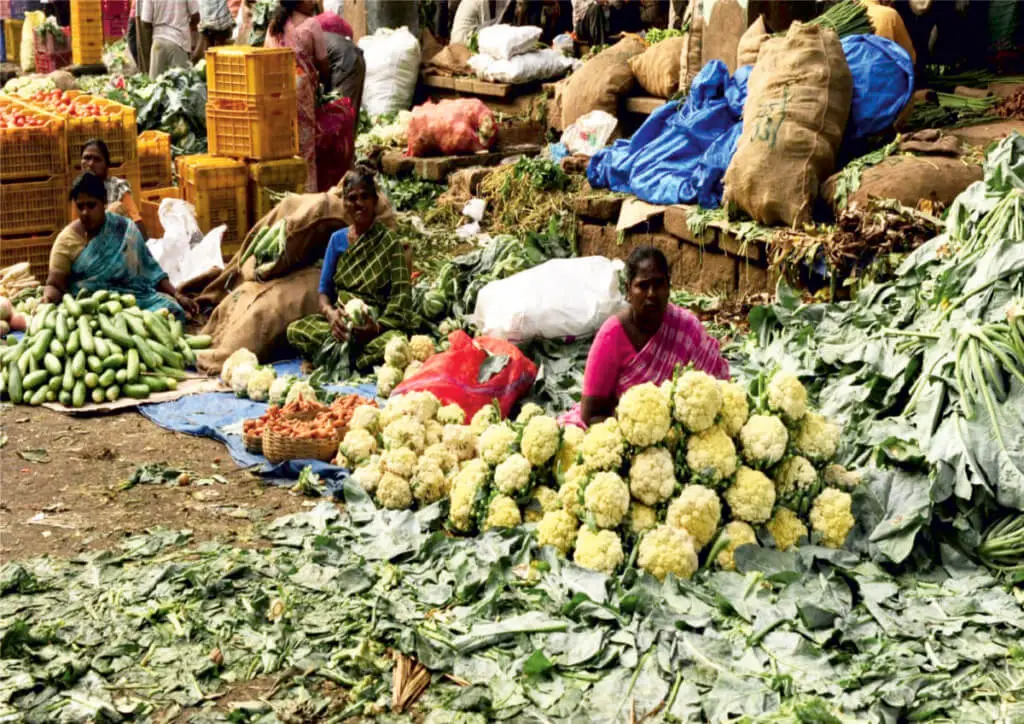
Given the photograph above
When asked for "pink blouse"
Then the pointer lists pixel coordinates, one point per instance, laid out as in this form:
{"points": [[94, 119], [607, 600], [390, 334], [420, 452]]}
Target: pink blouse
{"points": [[304, 35]]}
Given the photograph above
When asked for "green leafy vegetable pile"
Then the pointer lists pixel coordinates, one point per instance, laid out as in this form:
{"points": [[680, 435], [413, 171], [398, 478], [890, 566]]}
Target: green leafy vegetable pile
{"points": [[174, 103]]}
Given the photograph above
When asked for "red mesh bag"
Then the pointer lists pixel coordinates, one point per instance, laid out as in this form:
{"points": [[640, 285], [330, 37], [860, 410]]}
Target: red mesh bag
{"points": [[450, 127]]}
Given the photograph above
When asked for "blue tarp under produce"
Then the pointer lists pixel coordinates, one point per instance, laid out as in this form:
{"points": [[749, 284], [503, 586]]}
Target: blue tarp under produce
{"points": [[883, 81]]}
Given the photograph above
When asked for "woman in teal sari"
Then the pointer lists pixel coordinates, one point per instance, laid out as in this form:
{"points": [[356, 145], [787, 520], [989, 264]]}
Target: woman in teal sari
{"points": [[101, 250]]}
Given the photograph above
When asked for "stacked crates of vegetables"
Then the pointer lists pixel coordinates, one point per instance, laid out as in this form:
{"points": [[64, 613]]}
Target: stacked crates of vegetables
{"points": [[269, 180], [154, 148], [252, 111], [33, 183], [52, 47], [115, 19], [86, 32], [96, 348], [217, 188]]}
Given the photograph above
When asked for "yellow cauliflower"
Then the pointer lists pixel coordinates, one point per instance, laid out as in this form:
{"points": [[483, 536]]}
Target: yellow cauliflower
{"points": [[397, 352], [451, 415], [832, 517], [794, 475], [644, 416], [642, 518], [697, 400], [607, 499], [443, 456], [751, 496], [512, 475], [763, 440], [697, 510], [484, 418], [786, 528], [368, 475], [465, 485], [569, 493], [600, 551], [496, 443], [541, 437], [423, 405], [530, 410], [711, 455], [429, 483], [738, 534], [421, 347], [572, 439], [433, 433], [502, 512], [394, 492], [400, 462], [358, 445], [787, 396], [603, 446], [405, 432], [817, 438], [365, 417], [557, 528], [735, 410], [667, 550], [547, 498], [461, 440], [652, 477]]}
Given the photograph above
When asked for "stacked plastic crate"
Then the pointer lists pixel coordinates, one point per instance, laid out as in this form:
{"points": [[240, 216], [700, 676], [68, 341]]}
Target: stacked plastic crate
{"points": [[86, 32]]}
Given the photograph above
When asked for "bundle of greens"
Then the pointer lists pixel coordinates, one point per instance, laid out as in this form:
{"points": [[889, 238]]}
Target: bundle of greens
{"points": [[656, 35], [949, 110], [410, 194], [526, 195], [174, 103], [846, 17]]}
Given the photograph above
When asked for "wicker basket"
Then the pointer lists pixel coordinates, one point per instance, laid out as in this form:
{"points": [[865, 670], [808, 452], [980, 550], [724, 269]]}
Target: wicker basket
{"points": [[253, 444], [278, 448]]}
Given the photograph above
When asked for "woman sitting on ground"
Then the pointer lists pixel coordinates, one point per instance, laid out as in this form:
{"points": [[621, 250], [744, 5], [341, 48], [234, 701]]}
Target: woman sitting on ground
{"points": [[101, 250], [643, 343], [96, 160], [364, 261]]}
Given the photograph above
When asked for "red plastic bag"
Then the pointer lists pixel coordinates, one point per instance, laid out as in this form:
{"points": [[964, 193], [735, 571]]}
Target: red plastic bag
{"points": [[453, 376], [335, 141], [464, 125]]}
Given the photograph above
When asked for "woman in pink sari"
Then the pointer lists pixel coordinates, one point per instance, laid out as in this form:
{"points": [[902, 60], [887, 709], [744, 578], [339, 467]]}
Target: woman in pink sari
{"points": [[643, 343], [294, 26]]}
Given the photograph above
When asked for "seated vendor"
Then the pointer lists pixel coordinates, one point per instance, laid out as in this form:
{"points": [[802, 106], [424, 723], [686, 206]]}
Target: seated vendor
{"points": [[643, 343], [101, 250], [96, 160], [364, 261]]}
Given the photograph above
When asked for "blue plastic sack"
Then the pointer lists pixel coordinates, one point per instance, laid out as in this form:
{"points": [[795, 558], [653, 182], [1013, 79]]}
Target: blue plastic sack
{"points": [[883, 82]]}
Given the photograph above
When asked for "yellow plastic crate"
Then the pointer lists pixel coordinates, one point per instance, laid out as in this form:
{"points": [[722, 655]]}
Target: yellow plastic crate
{"points": [[33, 249], [32, 152], [218, 189], [242, 71], [286, 174], [86, 32], [154, 149], [262, 131], [33, 207], [116, 127], [12, 38]]}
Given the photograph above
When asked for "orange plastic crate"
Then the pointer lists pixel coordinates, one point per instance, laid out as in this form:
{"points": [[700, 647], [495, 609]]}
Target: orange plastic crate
{"points": [[155, 159], [149, 207], [33, 207], [287, 174], [33, 249], [32, 152], [218, 189], [242, 71], [261, 132], [130, 173]]}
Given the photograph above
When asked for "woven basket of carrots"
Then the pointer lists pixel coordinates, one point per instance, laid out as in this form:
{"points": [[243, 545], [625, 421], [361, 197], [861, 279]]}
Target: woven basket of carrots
{"points": [[303, 429]]}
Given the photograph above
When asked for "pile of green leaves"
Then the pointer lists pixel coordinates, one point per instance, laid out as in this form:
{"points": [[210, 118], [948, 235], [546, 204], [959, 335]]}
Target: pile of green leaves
{"points": [[656, 35], [411, 194], [811, 636], [174, 103]]}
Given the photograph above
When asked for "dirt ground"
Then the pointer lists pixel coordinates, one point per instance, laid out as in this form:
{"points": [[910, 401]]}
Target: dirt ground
{"points": [[61, 478]]}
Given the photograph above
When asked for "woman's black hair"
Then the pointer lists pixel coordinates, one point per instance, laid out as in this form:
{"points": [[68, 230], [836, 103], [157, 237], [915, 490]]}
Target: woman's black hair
{"points": [[90, 184], [101, 145], [646, 253], [360, 175], [282, 12]]}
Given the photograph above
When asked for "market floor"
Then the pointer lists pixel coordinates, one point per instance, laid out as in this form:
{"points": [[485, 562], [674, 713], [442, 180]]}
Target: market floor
{"points": [[61, 485]]}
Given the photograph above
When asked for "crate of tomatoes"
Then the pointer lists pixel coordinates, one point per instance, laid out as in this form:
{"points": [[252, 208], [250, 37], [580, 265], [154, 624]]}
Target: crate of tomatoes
{"points": [[32, 142], [90, 117]]}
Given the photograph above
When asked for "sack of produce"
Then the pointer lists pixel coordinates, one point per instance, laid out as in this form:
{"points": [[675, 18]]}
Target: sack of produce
{"points": [[392, 69], [601, 82], [691, 57], [798, 103], [907, 179], [507, 41], [657, 68], [751, 42], [465, 125], [525, 68]]}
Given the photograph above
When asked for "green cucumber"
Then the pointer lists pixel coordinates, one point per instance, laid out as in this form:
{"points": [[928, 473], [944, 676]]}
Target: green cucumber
{"points": [[50, 322], [113, 392], [107, 378], [186, 352], [73, 344], [138, 390], [51, 396], [94, 363], [121, 376], [85, 334], [57, 349], [24, 360], [14, 387], [177, 331], [41, 344], [88, 306], [173, 373], [61, 328], [38, 317], [100, 296], [52, 364], [113, 362], [68, 378], [101, 347], [136, 325], [113, 348], [132, 364], [73, 308], [128, 300], [64, 398], [92, 380], [199, 341], [39, 396], [154, 383], [54, 383], [151, 358], [113, 308], [98, 395], [78, 394], [112, 332], [157, 329], [35, 379], [78, 364]]}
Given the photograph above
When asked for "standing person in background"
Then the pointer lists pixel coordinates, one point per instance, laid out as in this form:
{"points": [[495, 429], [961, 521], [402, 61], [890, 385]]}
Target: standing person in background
{"points": [[294, 26], [215, 26], [348, 66], [475, 14], [595, 21], [170, 25]]}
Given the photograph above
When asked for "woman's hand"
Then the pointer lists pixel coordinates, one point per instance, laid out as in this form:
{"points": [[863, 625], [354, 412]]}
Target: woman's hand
{"points": [[339, 327], [191, 307], [366, 331]]}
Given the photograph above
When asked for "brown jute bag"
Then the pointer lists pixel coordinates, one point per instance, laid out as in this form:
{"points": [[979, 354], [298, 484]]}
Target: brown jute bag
{"points": [[691, 55], [750, 43], [797, 107], [601, 82], [657, 68]]}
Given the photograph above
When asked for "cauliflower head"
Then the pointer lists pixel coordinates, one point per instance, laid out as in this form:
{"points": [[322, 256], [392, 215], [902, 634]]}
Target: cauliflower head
{"points": [[496, 443], [394, 492], [443, 456], [836, 476], [279, 389], [388, 378], [258, 386], [696, 400], [529, 411], [572, 439], [512, 475], [751, 497], [738, 534], [397, 352], [831, 516], [600, 551], [368, 475], [652, 476], [817, 438], [236, 359], [429, 483], [603, 446], [433, 432], [763, 440], [365, 417], [569, 493], [787, 396], [735, 409], [421, 347], [547, 498], [557, 528], [541, 438], [451, 415], [502, 512], [644, 416], [461, 440], [484, 418], [240, 378], [607, 499], [667, 550], [423, 405], [301, 390], [698, 511], [400, 462], [711, 455], [786, 528], [411, 370], [465, 485], [642, 518], [358, 445], [405, 432], [358, 311]]}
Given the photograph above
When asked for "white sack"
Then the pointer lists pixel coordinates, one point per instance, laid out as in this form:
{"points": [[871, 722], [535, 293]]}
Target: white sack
{"points": [[183, 252], [392, 69], [539, 65], [507, 41]]}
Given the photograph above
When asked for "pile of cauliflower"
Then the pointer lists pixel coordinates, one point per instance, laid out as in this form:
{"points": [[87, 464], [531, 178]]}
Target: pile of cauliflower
{"points": [[245, 376], [403, 358], [691, 470]]}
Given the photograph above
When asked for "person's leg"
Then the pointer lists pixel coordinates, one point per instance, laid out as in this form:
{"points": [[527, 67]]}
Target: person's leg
{"points": [[307, 335], [593, 28]]}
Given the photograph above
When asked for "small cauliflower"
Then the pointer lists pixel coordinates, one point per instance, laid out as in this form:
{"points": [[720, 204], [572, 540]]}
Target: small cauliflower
{"points": [[569, 493], [786, 528], [735, 409], [603, 446], [397, 353], [443, 456], [357, 311], [365, 417], [423, 405], [400, 462], [236, 359], [600, 551], [541, 438], [394, 492], [484, 418], [279, 389], [433, 433], [240, 378], [787, 396], [451, 415], [301, 390], [421, 347], [502, 512], [763, 440], [368, 475], [644, 415], [667, 550], [461, 440], [642, 518], [697, 510], [546, 498], [794, 477], [411, 370], [606, 498], [512, 475], [738, 534], [817, 438], [429, 483], [652, 477], [529, 411], [257, 388], [836, 476], [388, 378], [358, 445], [462, 497], [557, 528], [405, 432], [496, 443], [568, 451], [697, 400], [711, 455], [751, 497], [831, 516]]}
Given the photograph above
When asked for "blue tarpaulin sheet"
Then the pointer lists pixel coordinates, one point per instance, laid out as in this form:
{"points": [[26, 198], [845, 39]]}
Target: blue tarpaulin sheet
{"points": [[883, 81]]}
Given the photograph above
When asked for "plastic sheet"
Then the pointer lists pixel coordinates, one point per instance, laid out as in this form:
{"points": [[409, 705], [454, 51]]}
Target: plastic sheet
{"points": [[883, 82]]}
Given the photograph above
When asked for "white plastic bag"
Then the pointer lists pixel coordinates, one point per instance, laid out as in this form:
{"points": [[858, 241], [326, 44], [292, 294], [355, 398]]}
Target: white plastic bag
{"points": [[392, 69], [526, 68], [507, 41], [559, 298], [590, 133], [183, 252]]}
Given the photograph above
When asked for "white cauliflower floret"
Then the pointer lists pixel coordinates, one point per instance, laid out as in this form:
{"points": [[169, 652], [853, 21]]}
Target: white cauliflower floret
{"points": [[400, 462], [388, 378], [451, 415], [483, 419], [735, 409], [697, 510], [394, 492], [279, 389], [258, 386], [738, 534], [434, 432], [421, 347], [763, 440], [358, 445], [569, 493], [397, 407], [697, 400], [529, 411], [465, 485], [652, 477], [443, 456], [786, 528], [541, 438], [461, 440], [752, 496], [365, 417], [240, 378], [787, 396], [502, 512], [831, 516], [368, 475], [429, 483], [397, 352], [603, 446], [358, 311], [544, 500], [711, 455], [496, 443], [642, 518], [301, 390], [405, 432], [794, 475], [423, 405], [607, 499], [836, 476], [600, 551], [667, 550], [644, 416], [411, 370], [817, 438], [572, 439], [512, 475], [236, 359], [557, 528]]}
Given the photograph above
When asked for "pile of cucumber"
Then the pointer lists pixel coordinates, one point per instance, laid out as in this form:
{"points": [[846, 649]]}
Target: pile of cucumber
{"points": [[96, 348]]}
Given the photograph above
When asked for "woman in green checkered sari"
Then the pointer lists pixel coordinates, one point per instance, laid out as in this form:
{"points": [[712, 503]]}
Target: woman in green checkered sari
{"points": [[364, 261]]}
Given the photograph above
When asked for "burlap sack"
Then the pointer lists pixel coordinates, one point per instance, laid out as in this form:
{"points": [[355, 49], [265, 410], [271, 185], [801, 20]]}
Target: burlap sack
{"points": [[797, 107], [256, 316], [751, 42], [657, 68], [691, 56], [909, 180], [451, 60], [601, 82]]}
